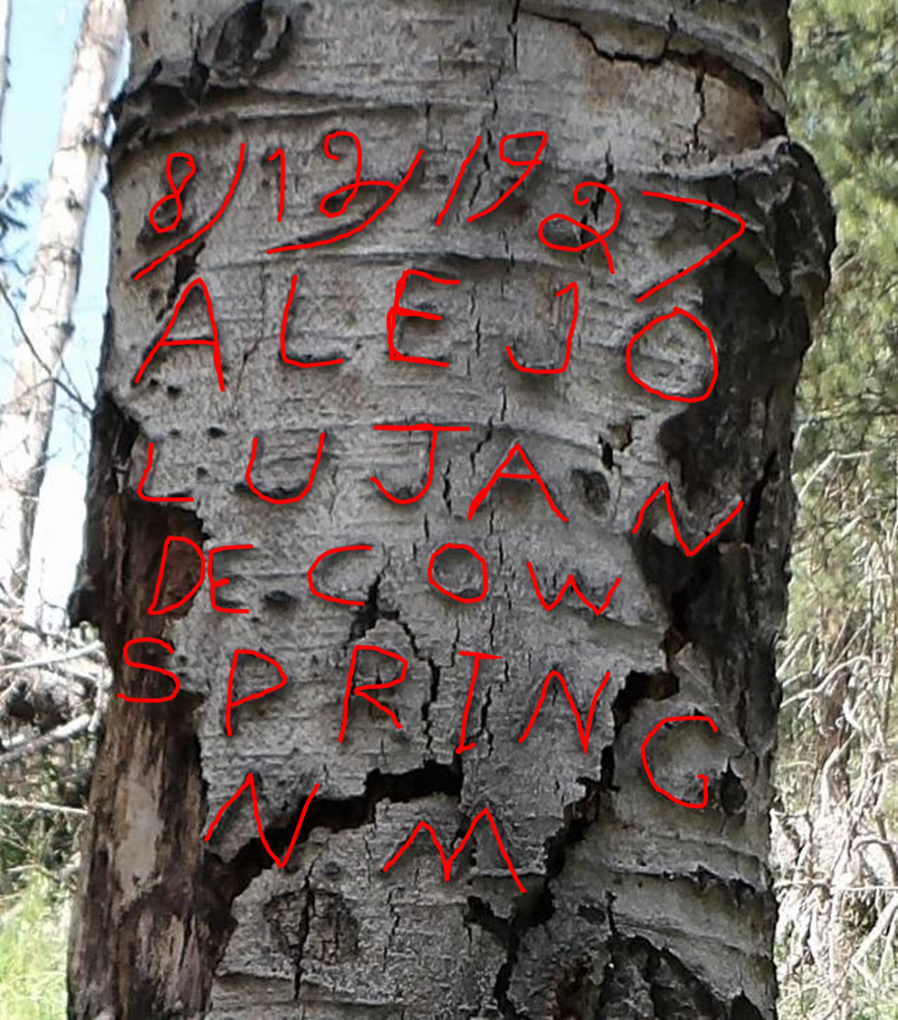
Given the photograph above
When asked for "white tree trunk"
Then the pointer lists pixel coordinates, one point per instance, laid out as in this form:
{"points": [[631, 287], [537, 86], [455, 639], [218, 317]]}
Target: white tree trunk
{"points": [[5, 20], [53, 283], [635, 907]]}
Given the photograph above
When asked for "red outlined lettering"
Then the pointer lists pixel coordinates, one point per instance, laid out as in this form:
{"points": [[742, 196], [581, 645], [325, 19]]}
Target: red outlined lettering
{"points": [[447, 861], [395, 188], [648, 771], [710, 255], [213, 584], [153, 611], [530, 164], [445, 591], [258, 694], [284, 320], [433, 430], [570, 583], [598, 238], [146, 475], [202, 230], [458, 180], [533, 475], [583, 733], [175, 194], [570, 338], [478, 657], [396, 310], [165, 342], [279, 154], [353, 189], [665, 488], [660, 393], [251, 783], [150, 669], [287, 499], [333, 598], [370, 687]]}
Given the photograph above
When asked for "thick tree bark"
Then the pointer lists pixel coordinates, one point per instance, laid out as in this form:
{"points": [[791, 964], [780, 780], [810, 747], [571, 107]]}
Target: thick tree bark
{"points": [[53, 284], [635, 907]]}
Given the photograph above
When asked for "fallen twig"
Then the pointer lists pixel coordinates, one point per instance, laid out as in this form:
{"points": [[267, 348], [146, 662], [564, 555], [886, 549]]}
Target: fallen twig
{"points": [[65, 732], [40, 805], [50, 660]]}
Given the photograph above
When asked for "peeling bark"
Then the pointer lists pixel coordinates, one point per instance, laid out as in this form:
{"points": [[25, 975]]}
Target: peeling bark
{"points": [[634, 907]]}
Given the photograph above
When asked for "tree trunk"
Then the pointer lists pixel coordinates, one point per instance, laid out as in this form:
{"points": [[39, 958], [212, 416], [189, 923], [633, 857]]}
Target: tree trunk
{"points": [[53, 284], [5, 19], [635, 906]]}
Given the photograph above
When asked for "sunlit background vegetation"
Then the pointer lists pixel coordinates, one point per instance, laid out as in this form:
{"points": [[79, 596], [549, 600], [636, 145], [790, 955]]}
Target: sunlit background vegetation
{"points": [[837, 855]]}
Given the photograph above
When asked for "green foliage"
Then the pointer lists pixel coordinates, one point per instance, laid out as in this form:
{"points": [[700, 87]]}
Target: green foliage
{"points": [[845, 109], [842, 654], [45, 839], [32, 840], [33, 935], [870, 999], [37, 854]]}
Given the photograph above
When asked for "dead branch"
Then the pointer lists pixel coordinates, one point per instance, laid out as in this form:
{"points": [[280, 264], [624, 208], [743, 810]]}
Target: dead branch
{"points": [[56, 736], [39, 805]]}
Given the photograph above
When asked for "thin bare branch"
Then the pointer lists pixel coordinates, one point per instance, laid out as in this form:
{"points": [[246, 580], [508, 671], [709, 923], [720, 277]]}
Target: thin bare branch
{"points": [[52, 377], [41, 806], [51, 660], [65, 732]]}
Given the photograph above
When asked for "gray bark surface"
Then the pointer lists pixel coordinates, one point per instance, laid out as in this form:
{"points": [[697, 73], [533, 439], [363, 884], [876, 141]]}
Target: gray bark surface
{"points": [[635, 907]]}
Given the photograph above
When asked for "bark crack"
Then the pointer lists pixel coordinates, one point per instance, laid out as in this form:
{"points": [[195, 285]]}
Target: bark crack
{"points": [[447, 488], [700, 92], [335, 814], [433, 696], [513, 32], [701, 61], [487, 436], [614, 56], [644, 982], [305, 918], [186, 263], [536, 906]]}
